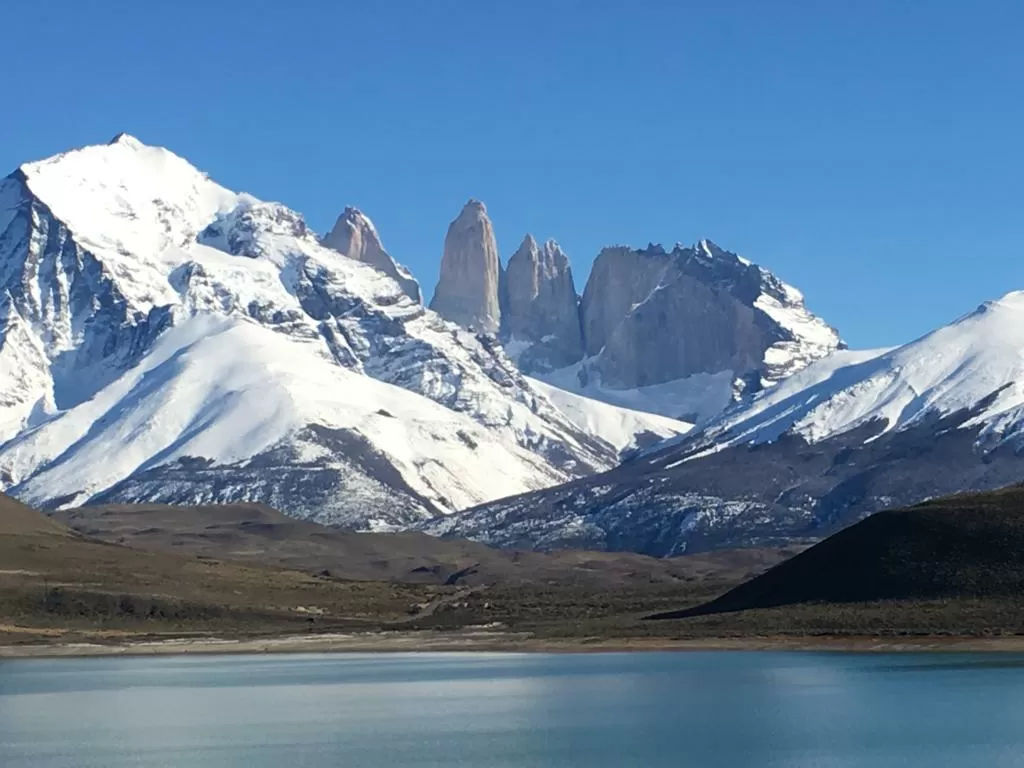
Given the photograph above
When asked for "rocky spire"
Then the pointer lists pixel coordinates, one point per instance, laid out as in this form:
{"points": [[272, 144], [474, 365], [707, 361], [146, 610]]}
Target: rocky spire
{"points": [[467, 291], [541, 306], [355, 236]]}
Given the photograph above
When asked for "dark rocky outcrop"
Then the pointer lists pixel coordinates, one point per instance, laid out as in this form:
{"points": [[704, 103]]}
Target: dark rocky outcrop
{"points": [[960, 547]]}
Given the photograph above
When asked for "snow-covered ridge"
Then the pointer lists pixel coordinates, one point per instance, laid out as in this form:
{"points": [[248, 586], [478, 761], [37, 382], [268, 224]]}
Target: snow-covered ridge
{"points": [[849, 435], [974, 364], [620, 425], [150, 316]]}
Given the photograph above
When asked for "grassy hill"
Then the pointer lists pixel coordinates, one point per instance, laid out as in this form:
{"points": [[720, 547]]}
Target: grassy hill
{"points": [[951, 565], [54, 579]]}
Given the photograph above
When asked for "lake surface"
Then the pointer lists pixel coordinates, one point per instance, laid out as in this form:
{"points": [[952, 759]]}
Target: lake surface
{"points": [[728, 709]]}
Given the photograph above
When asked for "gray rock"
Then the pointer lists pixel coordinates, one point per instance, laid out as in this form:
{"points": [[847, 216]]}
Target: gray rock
{"points": [[355, 236], [619, 278], [468, 289], [650, 316], [541, 307]]}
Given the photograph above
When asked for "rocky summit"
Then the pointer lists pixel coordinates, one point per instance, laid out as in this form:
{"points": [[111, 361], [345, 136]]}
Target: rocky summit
{"points": [[355, 236], [467, 291], [540, 312], [652, 316]]}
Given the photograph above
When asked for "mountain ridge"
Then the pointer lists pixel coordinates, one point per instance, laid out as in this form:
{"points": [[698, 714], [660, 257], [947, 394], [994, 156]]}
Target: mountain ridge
{"points": [[850, 435], [169, 340], [108, 248]]}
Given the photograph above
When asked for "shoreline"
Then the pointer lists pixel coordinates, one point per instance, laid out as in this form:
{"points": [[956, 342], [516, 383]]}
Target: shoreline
{"points": [[503, 642]]}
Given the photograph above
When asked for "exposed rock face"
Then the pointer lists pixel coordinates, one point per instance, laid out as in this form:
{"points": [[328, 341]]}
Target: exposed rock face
{"points": [[651, 316], [541, 307], [355, 236], [467, 292]]}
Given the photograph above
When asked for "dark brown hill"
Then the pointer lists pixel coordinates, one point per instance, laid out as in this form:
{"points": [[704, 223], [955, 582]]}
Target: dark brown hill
{"points": [[961, 548]]}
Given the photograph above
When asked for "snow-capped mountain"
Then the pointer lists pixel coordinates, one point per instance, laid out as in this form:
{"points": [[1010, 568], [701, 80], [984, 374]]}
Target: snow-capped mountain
{"points": [[847, 436], [976, 364], [166, 339]]}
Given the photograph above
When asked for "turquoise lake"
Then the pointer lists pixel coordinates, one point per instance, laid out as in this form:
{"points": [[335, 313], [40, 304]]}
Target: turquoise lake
{"points": [[728, 709]]}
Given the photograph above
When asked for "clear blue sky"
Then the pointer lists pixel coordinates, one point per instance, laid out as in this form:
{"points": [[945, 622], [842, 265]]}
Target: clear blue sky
{"points": [[870, 152]]}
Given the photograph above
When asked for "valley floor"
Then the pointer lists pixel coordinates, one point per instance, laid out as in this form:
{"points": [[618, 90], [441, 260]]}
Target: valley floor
{"points": [[259, 584]]}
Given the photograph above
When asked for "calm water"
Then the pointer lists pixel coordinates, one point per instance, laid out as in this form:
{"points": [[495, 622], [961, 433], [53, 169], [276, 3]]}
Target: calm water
{"points": [[503, 710]]}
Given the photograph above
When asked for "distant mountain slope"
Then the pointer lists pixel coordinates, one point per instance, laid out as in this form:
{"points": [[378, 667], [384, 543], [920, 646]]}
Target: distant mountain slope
{"points": [[964, 547], [165, 339], [623, 427], [847, 436], [979, 359]]}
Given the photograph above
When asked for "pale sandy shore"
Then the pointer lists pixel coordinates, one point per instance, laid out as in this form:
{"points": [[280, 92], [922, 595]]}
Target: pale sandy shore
{"points": [[482, 641]]}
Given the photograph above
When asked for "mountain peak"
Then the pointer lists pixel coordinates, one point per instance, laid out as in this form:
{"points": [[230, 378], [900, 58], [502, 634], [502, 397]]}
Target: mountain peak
{"points": [[467, 289], [285, 370], [126, 140], [355, 236], [554, 254], [358, 219], [474, 210], [528, 244]]}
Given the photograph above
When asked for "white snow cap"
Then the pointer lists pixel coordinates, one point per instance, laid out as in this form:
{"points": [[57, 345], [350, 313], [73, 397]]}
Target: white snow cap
{"points": [[974, 364], [126, 140]]}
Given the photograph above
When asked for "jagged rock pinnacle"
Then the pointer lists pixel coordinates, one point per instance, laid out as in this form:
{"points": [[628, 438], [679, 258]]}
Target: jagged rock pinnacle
{"points": [[467, 291], [355, 236], [541, 306]]}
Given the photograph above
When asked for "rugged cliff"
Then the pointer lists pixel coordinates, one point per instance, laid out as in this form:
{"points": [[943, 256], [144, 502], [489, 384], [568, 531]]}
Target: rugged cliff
{"points": [[541, 314]]}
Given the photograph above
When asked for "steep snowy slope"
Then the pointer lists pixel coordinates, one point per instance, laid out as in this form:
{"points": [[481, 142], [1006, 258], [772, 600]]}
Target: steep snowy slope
{"points": [[696, 399], [624, 428], [848, 436], [976, 364], [228, 390], [152, 320]]}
